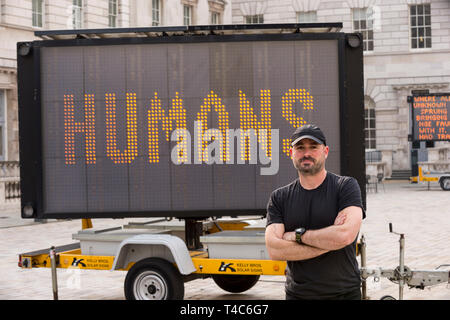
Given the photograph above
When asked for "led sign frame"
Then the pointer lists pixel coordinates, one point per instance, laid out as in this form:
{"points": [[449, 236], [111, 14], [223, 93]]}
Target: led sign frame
{"points": [[180, 126], [430, 117]]}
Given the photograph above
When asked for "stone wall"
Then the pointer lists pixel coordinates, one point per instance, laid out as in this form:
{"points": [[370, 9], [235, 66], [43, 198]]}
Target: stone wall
{"points": [[391, 71]]}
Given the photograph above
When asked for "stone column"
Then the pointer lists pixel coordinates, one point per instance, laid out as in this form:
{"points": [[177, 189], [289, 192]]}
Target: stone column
{"points": [[386, 157], [401, 159]]}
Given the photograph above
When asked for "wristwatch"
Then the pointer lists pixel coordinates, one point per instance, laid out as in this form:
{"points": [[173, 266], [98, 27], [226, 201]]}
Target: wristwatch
{"points": [[298, 235]]}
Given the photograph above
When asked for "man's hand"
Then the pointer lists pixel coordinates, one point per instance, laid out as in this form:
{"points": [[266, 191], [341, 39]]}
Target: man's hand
{"points": [[340, 219], [282, 246], [289, 236], [342, 233]]}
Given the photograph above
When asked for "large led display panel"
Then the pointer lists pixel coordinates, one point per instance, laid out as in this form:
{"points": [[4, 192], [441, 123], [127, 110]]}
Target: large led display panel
{"points": [[180, 129], [430, 117]]}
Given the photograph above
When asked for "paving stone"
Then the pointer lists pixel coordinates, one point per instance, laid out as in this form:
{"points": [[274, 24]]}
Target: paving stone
{"points": [[422, 215]]}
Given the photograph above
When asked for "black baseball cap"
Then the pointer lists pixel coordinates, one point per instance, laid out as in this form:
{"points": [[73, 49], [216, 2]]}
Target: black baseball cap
{"points": [[309, 131]]}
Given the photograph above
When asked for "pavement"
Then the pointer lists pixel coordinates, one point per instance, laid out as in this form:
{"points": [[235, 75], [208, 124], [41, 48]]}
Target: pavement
{"points": [[422, 215]]}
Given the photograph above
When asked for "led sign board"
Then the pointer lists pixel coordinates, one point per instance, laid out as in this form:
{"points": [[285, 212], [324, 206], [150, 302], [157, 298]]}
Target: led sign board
{"points": [[180, 126], [431, 117]]}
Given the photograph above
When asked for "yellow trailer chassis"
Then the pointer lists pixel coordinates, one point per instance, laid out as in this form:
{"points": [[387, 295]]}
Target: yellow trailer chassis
{"points": [[233, 275], [73, 258], [246, 271]]}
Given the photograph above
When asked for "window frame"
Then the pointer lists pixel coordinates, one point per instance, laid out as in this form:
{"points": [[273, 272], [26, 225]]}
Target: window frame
{"points": [[156, 12], [370, 133], [218, 17], [77, 11], [254, 19], [112, 15], [189, 17], [34, 13], [367, 30], [424, 26], [3, 124], [311, 16]]}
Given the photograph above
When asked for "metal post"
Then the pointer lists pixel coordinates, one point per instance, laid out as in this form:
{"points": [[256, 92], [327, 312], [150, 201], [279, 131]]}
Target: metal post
{"points": [[401, 281], [362, 248], [54, 276], [86, 224], [193, 231]]}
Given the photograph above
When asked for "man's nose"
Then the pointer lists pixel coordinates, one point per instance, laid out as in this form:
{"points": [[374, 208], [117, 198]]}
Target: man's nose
{"points": [[306, 152]]}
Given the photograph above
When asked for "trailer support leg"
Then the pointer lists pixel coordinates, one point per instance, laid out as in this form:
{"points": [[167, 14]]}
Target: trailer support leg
{"points": [[86, 224], [401, 281], [193, 230], [362, 252], [54, 275]]}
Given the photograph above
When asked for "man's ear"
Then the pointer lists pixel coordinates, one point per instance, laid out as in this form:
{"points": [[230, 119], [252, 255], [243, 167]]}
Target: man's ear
{"points": [[290, 152]]}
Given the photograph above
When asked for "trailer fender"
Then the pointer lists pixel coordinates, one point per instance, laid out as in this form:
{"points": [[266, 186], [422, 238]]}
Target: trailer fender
{"points": [[164, 246]]}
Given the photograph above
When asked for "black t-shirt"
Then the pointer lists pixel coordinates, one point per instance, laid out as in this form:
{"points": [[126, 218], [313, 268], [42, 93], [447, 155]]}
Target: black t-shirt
{"points": [[332, 273]]}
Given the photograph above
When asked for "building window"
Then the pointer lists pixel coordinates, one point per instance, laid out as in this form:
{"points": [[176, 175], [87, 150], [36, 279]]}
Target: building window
{"points": [[2, 124], [112, 13], [259, 18], [187, 15], [156, 12], [420, 19], [307, 17], [77, 14], [363, 23], [369, 127], [37, 13], [215, 17]]}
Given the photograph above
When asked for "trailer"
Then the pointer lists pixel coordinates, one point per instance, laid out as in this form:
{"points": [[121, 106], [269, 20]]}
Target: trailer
{"points": [[443, 178], [190, 123], [158, 263], [402, 274], [157, 260], [429, 124]]}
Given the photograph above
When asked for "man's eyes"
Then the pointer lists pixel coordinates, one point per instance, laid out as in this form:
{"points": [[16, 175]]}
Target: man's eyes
{"points": [[301, 148]]}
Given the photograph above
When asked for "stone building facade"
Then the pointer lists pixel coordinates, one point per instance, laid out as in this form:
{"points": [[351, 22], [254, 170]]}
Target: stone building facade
{"points": [[19, 20], [407, 48]]}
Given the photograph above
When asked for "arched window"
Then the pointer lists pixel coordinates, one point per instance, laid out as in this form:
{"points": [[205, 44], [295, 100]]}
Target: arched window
{"points": [[369, 124]]}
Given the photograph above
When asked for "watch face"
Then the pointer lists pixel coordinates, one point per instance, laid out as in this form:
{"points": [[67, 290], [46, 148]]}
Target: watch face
{"points": [[298, 234]]}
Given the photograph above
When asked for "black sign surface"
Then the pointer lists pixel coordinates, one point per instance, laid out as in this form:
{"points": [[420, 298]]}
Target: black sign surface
{"points": [[180, 127]]}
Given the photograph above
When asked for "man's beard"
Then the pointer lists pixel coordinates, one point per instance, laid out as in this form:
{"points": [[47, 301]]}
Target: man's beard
{"points": [[314, 168]]}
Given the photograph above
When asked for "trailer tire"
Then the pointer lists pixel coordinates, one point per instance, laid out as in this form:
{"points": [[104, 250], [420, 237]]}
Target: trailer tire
{"points": [[235, 283], [445, 183], [154, 279]]}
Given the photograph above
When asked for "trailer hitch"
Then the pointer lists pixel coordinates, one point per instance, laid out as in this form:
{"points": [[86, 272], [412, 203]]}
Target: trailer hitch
{"points": [[402, 274]]}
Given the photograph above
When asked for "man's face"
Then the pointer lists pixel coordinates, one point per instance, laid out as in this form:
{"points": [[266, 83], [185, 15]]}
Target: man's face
{"points": [[309, 157]]}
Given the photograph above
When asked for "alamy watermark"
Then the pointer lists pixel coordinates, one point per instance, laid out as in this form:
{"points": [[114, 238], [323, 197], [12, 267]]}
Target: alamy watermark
{"points": [[214, 146]]}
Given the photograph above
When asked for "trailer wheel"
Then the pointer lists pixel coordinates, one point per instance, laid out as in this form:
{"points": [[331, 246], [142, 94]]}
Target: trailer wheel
{"points": [[235, 283], [445, 183], [387, 298], [154, 279]]}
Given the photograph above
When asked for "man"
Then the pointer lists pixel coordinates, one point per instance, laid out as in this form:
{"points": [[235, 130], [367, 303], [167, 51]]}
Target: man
{"points": [[313, 223]]}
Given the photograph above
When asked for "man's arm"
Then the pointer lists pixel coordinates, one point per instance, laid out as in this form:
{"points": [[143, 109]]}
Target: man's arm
{"points": [[339, 235], [281, 249]]}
